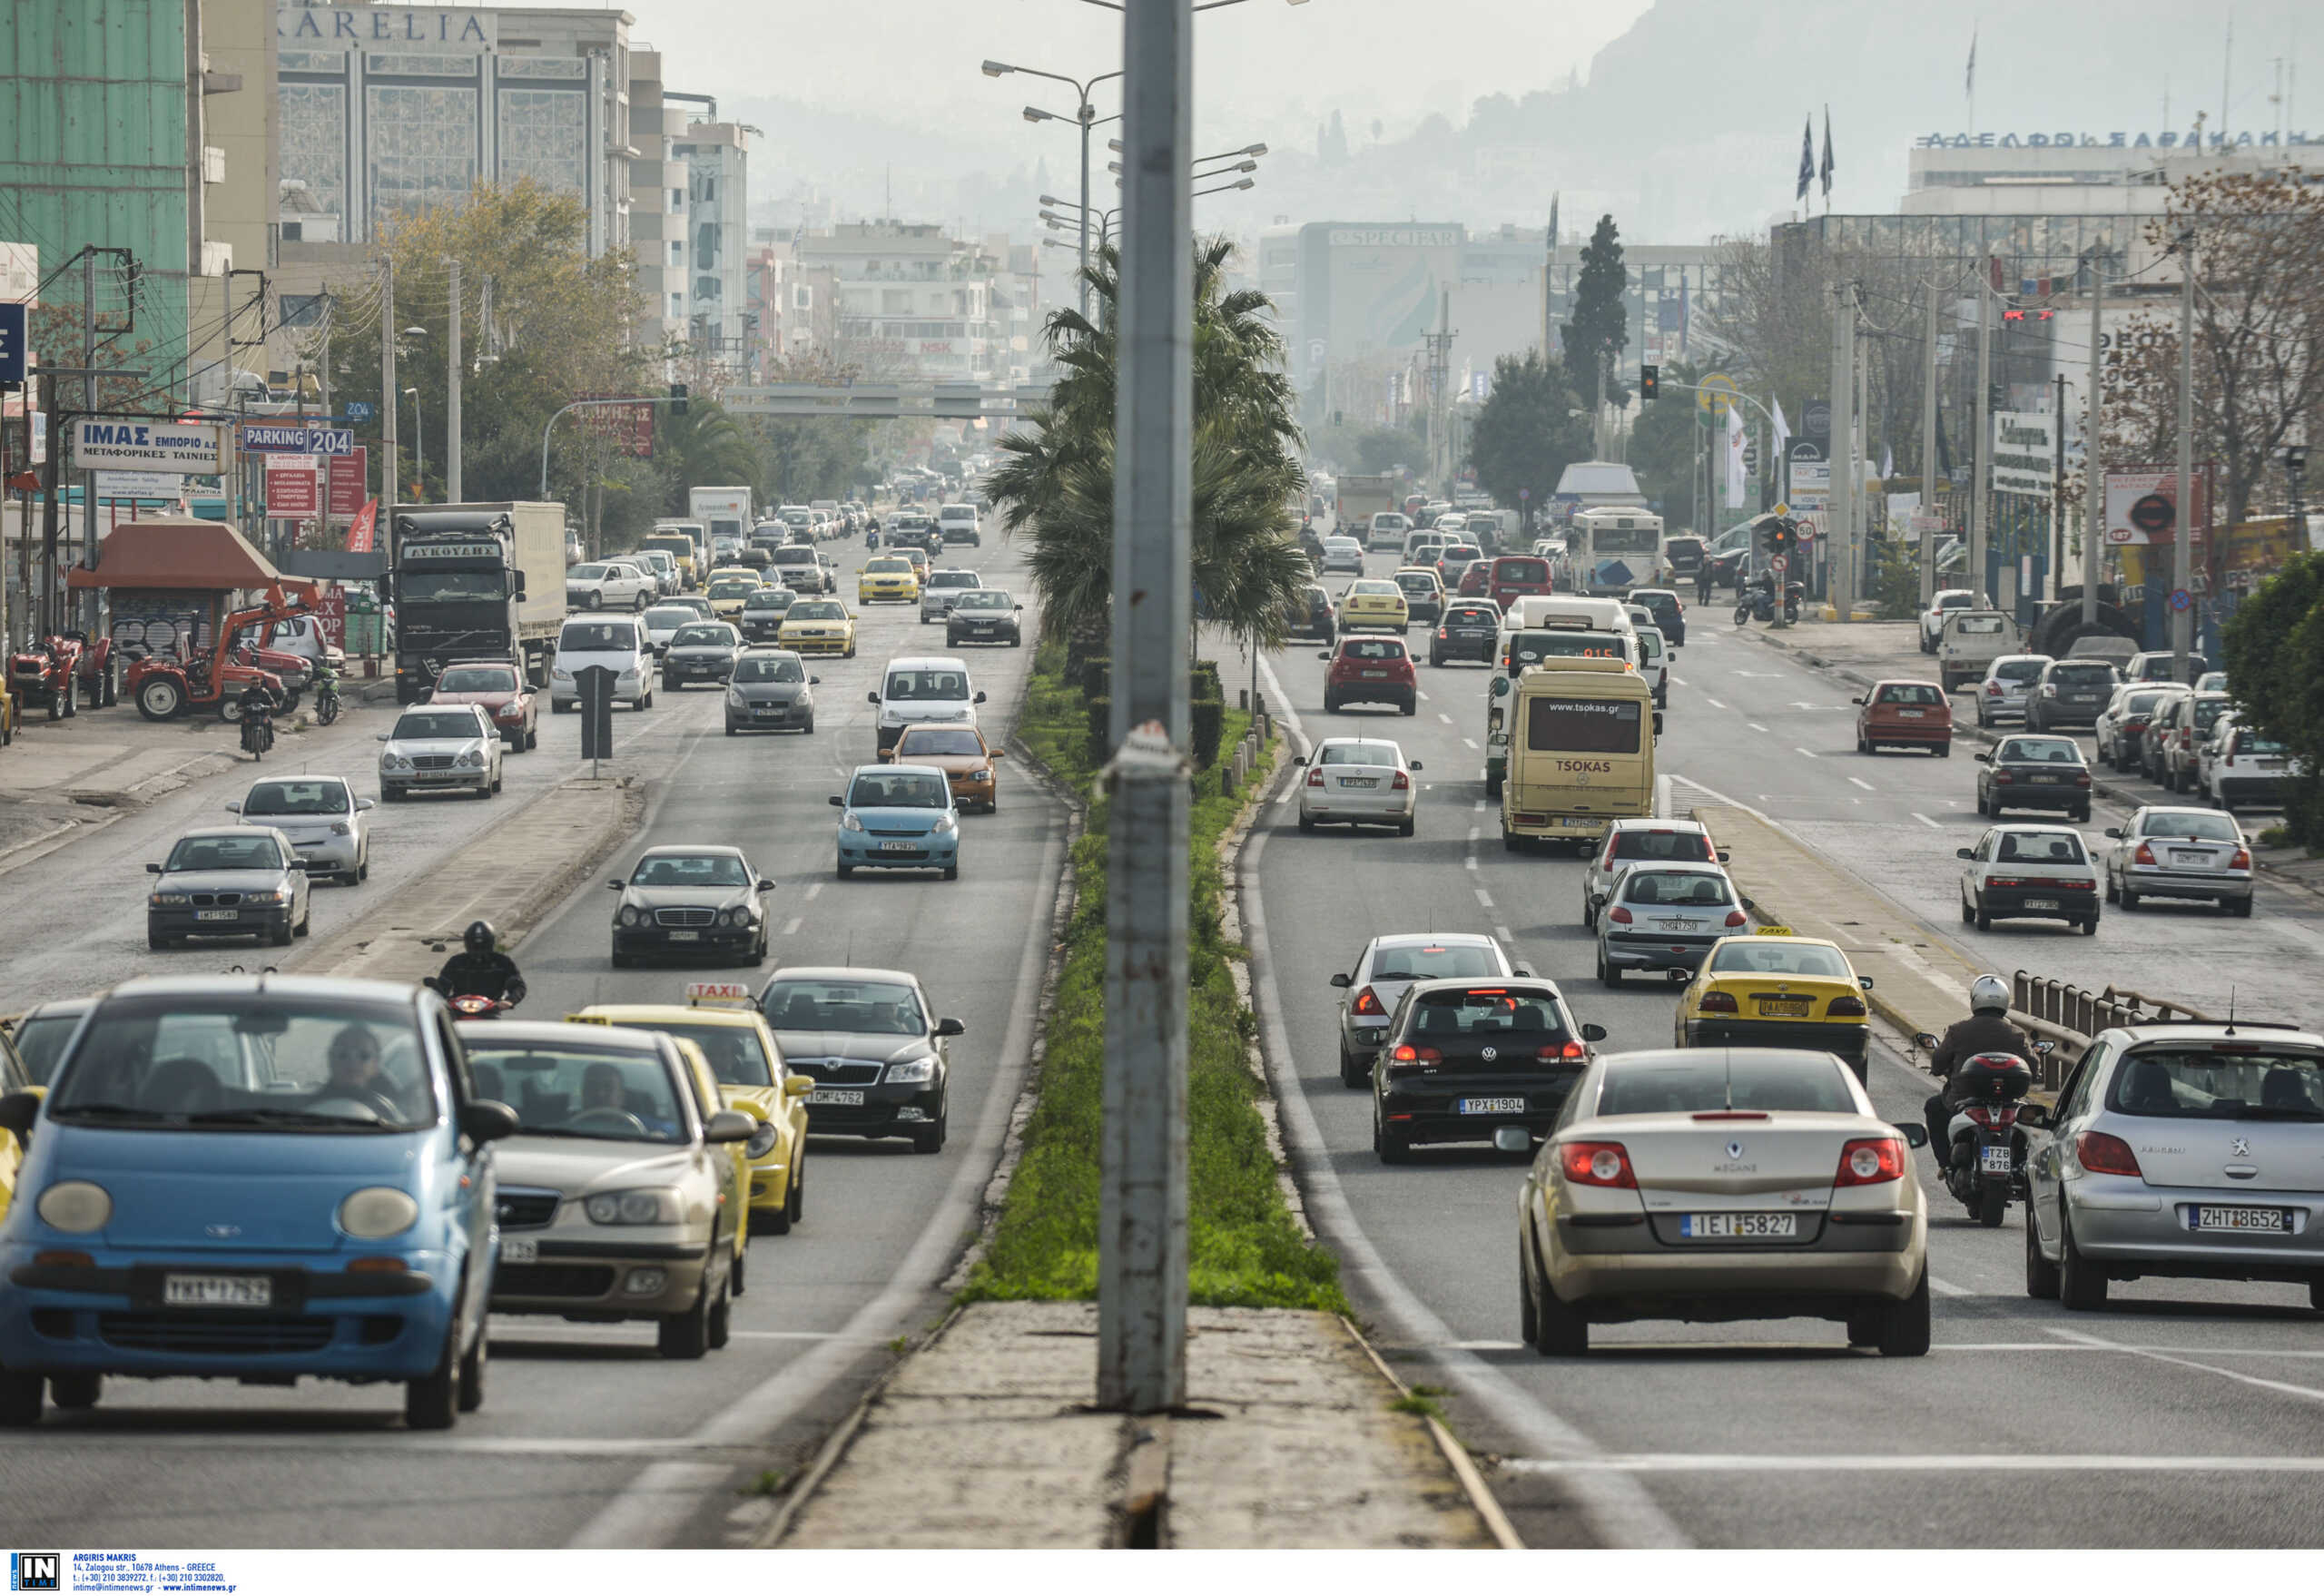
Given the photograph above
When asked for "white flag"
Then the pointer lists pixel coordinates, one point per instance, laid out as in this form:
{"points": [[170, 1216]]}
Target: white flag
{"points": [[1887, 463], [1782, 430], [1735, 439]]}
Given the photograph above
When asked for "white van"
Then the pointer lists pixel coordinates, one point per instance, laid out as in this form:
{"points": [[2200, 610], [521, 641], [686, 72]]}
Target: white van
{"points": [[1972, 640], [957, 523], [619, 644], [919, 688]]}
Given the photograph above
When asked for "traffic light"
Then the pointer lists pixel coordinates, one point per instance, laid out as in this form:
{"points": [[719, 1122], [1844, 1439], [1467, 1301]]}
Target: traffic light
{"points": [[677, 399], [1649, 382], [1781, 538]]}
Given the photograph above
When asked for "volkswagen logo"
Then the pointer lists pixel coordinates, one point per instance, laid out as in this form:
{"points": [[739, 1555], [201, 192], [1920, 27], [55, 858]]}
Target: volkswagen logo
{"points": [[1489, 1054], [1734, 1150]]}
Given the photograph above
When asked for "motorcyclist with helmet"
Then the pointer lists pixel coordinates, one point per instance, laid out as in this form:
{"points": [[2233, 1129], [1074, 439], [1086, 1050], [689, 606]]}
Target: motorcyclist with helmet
{"points": [[479, 968], [1986, 1030]]}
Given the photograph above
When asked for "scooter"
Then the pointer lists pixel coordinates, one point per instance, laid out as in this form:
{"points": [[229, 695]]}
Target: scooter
{"points": [[475, 1006], [258, 732], [1985, 1147], [326, 694]]}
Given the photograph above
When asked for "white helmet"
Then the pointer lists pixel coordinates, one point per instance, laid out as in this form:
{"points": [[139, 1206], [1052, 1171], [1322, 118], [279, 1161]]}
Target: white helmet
{"points": [[1988, 994]]}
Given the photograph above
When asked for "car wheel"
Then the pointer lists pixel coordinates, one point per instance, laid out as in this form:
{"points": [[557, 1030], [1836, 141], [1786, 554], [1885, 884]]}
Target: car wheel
{"points": [[2131, 899], [75, 1392], [2082, 815], [156, 942], [2241, 908], [1493, 786], [1435, 659], [2089, 926], [432, 1401], [930, 1139], [846, 870], [2112, 895], [1608, 976], [2041, 1274], [281, 935], [951, 872], [730, 730], [1985, 920], [2081, 1284], [1905, 1326], [1968, 915], [686, 1334], [1393, 1147], [592, 600], [20, 1399], [721, 1314], [1405, 827], [472, 1371], [1558, 1330], [1307, 822], [1980, 804], [1529, 1311], [1862, 746], [532, 736], [1352, 1072]]}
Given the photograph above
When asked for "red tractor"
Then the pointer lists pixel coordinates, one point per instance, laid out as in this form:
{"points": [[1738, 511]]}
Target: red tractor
{"points": [[46, 674], [163, 688]]}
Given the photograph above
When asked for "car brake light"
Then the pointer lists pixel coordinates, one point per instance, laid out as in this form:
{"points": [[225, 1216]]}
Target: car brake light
{"points": [[1550, 1055], [2242, 860], [1403, 783], [1722, 1114], [2004, 776], [1851, 1007], [1316, 775], [1408, 1054], [1993, 689], [1598, 1163], [1871, 1162], [2102, 1154], [1736, 917], [1979, 1114], [2082, 780], [1367, 1002], [2145, 855], [1719, 1003], [1618, 915]]}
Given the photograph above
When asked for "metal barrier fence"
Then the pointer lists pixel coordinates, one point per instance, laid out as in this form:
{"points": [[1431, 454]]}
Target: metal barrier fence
{"points": [[2070, 1016]]}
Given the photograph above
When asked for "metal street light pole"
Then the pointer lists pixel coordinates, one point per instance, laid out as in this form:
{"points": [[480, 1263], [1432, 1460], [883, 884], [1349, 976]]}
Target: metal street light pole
{"points": [[1084, 117], [419, 449], [2182, 540]]}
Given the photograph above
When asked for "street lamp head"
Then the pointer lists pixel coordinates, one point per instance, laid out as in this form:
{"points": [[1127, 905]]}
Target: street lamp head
{"points": [[1244, 166], [2296, 457], [415, 333], [1051, 200], [996, 68], [1255, 150], [1247, 182], [1034, 113], [1114, 166], [1115, 145], [412, 391]]}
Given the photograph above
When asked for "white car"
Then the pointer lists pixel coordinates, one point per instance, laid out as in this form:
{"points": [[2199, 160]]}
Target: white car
{"points": [[1933, 619], [617, 644], [1654, 659], [1359, 781], [2245, 767], [1387, 967], [1342, 553], [957, 523], [440, 748], [303, 636], [320, 815], [663, 564], [611, 585], [2161, 851], [662, 621], [2029, 873], [941, 589]]}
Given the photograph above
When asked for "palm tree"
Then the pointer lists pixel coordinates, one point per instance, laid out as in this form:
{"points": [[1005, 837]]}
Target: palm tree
{"points": [[1057, 483], [705, 446]]}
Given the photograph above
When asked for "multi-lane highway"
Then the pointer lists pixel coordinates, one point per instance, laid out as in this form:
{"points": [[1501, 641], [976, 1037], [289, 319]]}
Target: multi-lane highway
{"points": [[588, 1436], [2183, 1415]]}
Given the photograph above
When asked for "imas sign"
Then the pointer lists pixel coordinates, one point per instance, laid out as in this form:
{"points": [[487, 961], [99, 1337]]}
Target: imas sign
{"points": [[385, 24], [111, 443]]}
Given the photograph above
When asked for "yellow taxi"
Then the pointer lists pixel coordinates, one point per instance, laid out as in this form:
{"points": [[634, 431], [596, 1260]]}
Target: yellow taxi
{"points": [[732, 571], [723, 1019], [1775, 990], [887, 579], [1374, 603], [818, 626], [728, 592]]}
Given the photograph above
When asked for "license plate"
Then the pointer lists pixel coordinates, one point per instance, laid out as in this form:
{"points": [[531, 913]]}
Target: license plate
{"points": [[217, 1291], [1911, 714], [521, 1249], [1359, 781], [217, 914], [2188, 856], [899, 847], [685, 936], [1675, 925], [2047, 781], [2278, 1220], [2270, 764], [1373, 675], [1575, 819], [2041, 902], [1738, 1226], [767, 715], [835, 1097], [1994, 1160], [1785, 1007], [1492, 1105]]}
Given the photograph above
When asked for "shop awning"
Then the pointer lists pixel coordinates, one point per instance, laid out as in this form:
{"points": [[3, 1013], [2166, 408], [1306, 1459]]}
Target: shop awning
{"points": [[179, 553]]}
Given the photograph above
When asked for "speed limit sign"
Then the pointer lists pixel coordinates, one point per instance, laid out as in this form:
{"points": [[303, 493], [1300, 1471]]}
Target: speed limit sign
{"points": [[1778, 563]]}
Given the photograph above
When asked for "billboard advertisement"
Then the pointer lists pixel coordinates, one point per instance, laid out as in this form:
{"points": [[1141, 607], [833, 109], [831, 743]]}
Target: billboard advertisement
{"points": [[1364, 289]]}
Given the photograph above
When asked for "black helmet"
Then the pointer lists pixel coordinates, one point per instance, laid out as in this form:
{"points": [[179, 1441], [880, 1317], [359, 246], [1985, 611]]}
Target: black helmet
{"points": [[480, 938]]}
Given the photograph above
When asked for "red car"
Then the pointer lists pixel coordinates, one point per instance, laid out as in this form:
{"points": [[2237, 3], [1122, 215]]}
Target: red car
{"points": [[1474, 578], [1515, 576], [1370, 670], [500, 687], [1905, 715]]}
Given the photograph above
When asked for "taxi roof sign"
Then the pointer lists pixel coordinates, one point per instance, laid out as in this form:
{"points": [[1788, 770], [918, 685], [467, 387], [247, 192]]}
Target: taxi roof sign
{"points": [[717, 992], [1774, 930]]}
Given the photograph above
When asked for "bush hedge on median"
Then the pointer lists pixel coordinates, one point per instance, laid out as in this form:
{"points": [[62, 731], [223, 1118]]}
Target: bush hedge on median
{"points": [[2274, 653]]}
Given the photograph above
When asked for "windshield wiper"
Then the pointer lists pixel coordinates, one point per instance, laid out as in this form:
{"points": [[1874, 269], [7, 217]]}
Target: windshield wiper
{"points": [[104, 1111], [284, 1117]]}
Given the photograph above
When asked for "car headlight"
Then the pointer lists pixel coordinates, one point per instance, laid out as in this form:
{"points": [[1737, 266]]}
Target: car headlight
{"points": [[849, 822], [167, 900], [944, 823], [377, 1211], [981, 775], [77, 1206], [649, 1206], [394, 762], [730, 917], [911, 1072], [631, 915], [556, 676], [761, 1140], [340, 828], [271, 895], [734, 697], [472, 758]]}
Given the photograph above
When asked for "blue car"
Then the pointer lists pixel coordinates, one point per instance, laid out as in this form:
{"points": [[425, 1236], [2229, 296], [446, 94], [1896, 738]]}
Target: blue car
{"points": [[252, 1178], [898, 817]]}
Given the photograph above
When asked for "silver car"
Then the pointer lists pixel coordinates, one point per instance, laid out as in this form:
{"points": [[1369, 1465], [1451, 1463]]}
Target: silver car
{"points": [[1342, 553], [322, 817], [942, 589], [229, 882], [2165, 852], [2193, 1151], [1390, 964], [2008, 682], [1359, 781], [440, 747], [1642, 839], [1664, 918]]}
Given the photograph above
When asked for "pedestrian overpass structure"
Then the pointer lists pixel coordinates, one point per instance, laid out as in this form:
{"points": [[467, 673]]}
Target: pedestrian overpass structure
{"points": [[884, 401]]}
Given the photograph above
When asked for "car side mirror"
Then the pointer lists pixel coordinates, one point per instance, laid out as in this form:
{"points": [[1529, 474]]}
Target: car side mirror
{"points": [[798, 1086], [380, 737], [815, 681], [615, 883], [2114, 831], [1864, 981], [1324, 654], [363, 804], [765, 885], [1598, 899], [870, 698], [298, 865], [235, 807], [153, 869], [1917, 1135], [17, 1112], [979, 698], [2034, 1114], [996, 754], [1964, 853], [1343, 981], [729, 1126], [486, 1119], [1018, 607], [1855, 700], [1412, 764], [950, 1028], [837, 801], [1984, 759], [1658, 722], [1723, 856]]}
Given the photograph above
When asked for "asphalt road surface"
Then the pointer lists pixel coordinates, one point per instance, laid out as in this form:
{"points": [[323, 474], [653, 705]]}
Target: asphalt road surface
{"points": [[586, 1435], [2182, 1415]]}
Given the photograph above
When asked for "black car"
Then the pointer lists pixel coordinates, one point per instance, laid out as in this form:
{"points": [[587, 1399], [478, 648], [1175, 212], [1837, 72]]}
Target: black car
{"points": [[1668, 612], [697, 903], [770, 691], [1311, 615], [984, 614], [1463, 1058], [1467, 630], [2034, 772], [702, 651], [2070, 693], [762, 613], [878, 1055]]}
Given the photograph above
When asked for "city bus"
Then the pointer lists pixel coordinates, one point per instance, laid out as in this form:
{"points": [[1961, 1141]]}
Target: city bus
{"points": [[1612, 549]]}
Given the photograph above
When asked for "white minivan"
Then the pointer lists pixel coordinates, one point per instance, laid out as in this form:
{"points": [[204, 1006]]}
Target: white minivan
{"points": [[619, 644], [919, 688], [958, 524]]}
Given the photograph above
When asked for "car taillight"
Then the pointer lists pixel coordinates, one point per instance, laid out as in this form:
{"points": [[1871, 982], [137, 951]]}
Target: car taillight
{"points": [[1852, 1007], [1871, 1162], [2242, 860], [2082, 780], [1598, 1163], [2145, 855], [1403, 783], [1736, 917], [1719, 1003], [1442, 634], [1314, 775], [1993, 689], [2106, 1155], [1618, 915], [1408, 1054], [2004, 776], [1367, 1002], [1552, 1054]]}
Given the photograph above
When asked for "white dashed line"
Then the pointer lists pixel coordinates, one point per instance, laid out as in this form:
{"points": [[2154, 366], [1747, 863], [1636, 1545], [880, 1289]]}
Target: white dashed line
{"points": [[1860, 781], [1714, 702], [814, 892], [1802, 752], [1755, 725], [1484, 898], [1470, 862], [1471, 742], [1445, 718], [1508, 937], [1925, 820], [791, 927]]}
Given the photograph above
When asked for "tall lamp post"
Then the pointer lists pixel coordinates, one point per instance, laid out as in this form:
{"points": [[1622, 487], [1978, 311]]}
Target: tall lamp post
{"points": [[418, 449], [2295, 462], [1085, 118]]}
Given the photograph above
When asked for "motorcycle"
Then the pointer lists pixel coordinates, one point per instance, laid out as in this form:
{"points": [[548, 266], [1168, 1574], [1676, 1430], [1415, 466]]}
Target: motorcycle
{"points": [[476, 1006], [1759, 603], [872, 539], [326, 694], [258, 732], [1985, 1148]]}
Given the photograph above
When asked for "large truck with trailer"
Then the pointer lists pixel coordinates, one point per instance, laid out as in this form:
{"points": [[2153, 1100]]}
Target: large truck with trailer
{"points": [[475, 581]]}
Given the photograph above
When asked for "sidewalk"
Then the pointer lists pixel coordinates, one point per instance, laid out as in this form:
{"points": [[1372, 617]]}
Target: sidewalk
{"points": [[1291, 1438], [62, 778]]}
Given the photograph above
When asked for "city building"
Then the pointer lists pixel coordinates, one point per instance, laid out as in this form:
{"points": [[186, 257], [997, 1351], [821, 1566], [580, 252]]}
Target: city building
{"points": [[659, 205], [912, 301], [716, 156]]}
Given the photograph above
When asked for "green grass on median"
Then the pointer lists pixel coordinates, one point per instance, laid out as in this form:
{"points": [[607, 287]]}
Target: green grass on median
{"points": [[1244, 1249]]}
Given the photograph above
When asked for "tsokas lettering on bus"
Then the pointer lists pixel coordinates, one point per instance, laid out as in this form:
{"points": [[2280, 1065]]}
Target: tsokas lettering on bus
{"points": [[386, 25]]}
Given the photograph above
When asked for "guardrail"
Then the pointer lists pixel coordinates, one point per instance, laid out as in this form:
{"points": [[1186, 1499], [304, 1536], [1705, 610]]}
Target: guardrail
{"points": [[2069, 1016]]}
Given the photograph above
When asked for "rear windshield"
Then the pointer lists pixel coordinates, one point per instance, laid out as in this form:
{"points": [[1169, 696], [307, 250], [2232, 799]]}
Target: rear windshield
{"points": [[1371, 649], [2038, 751], [1421, 582], [1384, 589], [477, 679], [1532, 647], [2184, 822], [2018, 670], [1521, 570], [1485, 1016], [2082, 676], [2041, 848], [2207, 711], [2141, 703], [1777, 955], [2219, 1082], [1908, 692], [1381, 753], [1474, 614], [1433, 962], [1977, 625], [1705, 887], [1583, 725], [2252, 743], [1662, 844], [1705, 1082]]}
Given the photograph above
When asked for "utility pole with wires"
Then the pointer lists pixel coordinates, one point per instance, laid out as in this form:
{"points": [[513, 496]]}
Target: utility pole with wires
{"points": [[2182, 535], [452, 493], [2093, 473], [1928, 455], [1840, 521], [390, 396], [1440, 371], [1981, 444]]}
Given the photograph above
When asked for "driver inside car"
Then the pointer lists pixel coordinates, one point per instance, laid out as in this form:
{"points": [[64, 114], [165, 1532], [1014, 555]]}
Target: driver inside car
{"points": [[356, 1072]]}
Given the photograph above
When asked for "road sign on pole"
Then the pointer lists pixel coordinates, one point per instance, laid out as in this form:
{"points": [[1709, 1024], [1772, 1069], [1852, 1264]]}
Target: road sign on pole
{"points": [[596, 685], [1778, 563]]}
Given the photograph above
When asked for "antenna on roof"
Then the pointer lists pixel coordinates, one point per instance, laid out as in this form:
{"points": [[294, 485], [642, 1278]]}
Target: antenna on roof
{"points": [[2230, 1009]]}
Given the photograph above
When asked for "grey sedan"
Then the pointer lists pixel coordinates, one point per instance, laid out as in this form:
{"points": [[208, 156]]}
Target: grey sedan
{"points": [[2165, 852], [2191, 1152], [770, 691], [1663, 919], [229, 882], [1387, 966], [702, 652]]}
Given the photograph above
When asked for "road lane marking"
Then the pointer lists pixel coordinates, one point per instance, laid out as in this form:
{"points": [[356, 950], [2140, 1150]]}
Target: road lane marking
{"points": [[1508, 938], [1470, 862], [1947, 1288], [1801, 751], [1471, 742], [1678, 681], [1860, 781], [1755, 725], [1445, 718], [814, 892], [2037, 1463], [1483, 897], [2282, 1388], [790, 929], [1927, 821], [1714, 702], [1423, 697]]}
